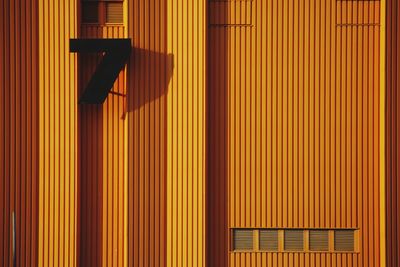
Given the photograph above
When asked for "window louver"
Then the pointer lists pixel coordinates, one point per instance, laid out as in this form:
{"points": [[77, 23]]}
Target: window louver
{"points": [[268, 240], [293, 240], [344, 240], [243, 239], [319, 240], [114, 13]]}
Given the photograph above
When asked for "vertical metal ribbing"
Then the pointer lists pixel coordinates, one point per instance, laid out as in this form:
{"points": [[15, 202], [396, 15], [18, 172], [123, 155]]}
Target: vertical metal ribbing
{"points": [[14, 259]]}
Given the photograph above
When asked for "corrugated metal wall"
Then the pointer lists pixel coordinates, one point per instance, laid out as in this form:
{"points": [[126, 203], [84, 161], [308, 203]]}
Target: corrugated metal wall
{"points": [[292, 103], [101, 159], [392, 133], [19, 132], [58, 134], [166, 117], [293, 129]]}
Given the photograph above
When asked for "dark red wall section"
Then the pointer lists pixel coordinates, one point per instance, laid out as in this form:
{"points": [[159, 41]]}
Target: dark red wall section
{"points": [[392, 134]]}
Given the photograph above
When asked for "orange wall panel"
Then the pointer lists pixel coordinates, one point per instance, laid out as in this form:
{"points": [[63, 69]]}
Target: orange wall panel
{"points": [[19, 131], [58, 140], [293, 125], [166, 134]]}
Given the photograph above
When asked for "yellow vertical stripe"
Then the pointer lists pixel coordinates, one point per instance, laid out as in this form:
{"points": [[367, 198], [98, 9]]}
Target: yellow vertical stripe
{"points": [[58, 134]]}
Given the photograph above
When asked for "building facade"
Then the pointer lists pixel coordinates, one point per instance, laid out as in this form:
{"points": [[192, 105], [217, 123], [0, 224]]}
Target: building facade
{"points": [[239, 133]]}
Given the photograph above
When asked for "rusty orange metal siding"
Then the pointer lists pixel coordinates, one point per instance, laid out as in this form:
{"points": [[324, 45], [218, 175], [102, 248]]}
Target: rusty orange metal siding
{"points": [[293, 131], [19, 132]]}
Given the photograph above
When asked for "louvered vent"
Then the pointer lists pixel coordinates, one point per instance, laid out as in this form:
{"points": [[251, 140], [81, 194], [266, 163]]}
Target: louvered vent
{"points": [[268, 240], [319, 240], [294, 240], [243, 239], [90, 12], [114, 12], [344, 240]]}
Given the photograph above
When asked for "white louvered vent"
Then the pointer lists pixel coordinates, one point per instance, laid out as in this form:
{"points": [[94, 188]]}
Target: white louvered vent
{"points": [[242, 239], [268, 240], [319, 240], [344, 240], [294, 240], [115, 12]]}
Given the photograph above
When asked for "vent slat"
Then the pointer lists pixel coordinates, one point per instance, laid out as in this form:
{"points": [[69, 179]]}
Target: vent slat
{"points": [[243, 239], [294, 240], [344, 240], [114, 13], [319, 240], [268, 240]]}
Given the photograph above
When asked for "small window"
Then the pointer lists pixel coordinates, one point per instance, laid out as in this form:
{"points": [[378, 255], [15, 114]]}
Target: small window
{"points": [[90, 12], [114, 12], [294, 240], [319, 240], [268, 240], [344, 240], [242, 239]]}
